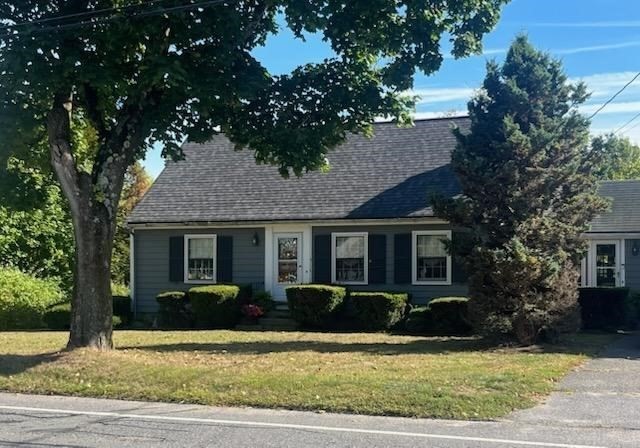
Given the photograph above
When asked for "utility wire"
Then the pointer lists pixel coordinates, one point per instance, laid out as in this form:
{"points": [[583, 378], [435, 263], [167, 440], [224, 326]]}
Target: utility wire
{"points": [[116, 17], [606, 103], [627, 123], [81, 14]]}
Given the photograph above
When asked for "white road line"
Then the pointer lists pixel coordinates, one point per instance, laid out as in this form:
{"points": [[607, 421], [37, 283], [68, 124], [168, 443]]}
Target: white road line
{"points": [[293, 426]]}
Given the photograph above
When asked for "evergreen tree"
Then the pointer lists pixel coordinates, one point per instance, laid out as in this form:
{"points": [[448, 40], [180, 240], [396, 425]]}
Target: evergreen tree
{"points": [[526, 173]]}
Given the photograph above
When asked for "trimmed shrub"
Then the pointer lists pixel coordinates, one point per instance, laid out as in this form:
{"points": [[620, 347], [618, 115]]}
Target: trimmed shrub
{"points": [[264, 300], [58, 317], [24, 299], [449, 315], [603, 308], [378, 310], [122, 308], [172, 309], [215, 306], [119, 289], [418, 320], [315, 305]]}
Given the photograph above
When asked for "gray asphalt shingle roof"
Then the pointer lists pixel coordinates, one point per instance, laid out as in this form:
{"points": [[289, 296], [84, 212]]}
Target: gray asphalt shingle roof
{"points": [[391, 175], [624, 214]]}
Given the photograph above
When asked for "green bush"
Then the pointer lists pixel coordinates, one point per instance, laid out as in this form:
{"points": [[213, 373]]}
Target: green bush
{"points": [[122, 308], [24, 299], [603, 308], [215, 306], [58, 317], [264, 300], [378, 310], [419, 320], [314, 305], [172, 309], [119, 289], [449, 315]]}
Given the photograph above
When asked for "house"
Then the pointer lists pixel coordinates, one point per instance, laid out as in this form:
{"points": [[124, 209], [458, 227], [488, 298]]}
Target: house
{"points": [[614, 239], [217, 217]]}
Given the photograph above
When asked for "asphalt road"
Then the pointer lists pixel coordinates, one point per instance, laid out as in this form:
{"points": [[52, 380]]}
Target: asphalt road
{"points": [[596, 406]]}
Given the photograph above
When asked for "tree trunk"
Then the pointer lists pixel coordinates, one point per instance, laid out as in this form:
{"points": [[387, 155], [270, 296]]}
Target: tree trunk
{"points": [[92, 310]]}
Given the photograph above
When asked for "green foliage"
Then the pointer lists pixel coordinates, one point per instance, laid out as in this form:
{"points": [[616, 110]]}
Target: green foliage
{"points": [[529, 192], [215, 306], [264, 300], [604, 308], [378, 310], [122, 308], [450, 315], [315, 305], [35, 229], [620, 159], [24, 299], [136, 183], [58, 317], [173, 311], [119, 289]]}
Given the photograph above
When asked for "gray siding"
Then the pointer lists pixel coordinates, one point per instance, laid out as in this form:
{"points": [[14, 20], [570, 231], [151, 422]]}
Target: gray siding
{"points": [[419, 293], [152, 262], [632, 266]]}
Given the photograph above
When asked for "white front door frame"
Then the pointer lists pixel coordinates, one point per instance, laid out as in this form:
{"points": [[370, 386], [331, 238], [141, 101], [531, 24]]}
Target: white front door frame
{"points": [[620, 260], [305, 257]]}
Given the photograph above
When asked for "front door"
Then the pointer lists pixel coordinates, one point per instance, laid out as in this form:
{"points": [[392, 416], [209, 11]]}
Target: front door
{"points": [[287, 262], [607, 263]]}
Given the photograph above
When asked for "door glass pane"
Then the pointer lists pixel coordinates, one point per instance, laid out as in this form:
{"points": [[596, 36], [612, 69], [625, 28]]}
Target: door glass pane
{"points": [[606, 265], [288, 260]]}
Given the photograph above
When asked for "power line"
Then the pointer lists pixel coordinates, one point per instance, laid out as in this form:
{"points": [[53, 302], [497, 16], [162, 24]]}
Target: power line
{"points": [[81, 14], [627, 123], [116, 17], [614, 96]]}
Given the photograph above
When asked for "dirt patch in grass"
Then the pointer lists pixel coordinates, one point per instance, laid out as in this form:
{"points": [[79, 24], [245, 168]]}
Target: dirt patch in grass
{"points": [[375, 374]]}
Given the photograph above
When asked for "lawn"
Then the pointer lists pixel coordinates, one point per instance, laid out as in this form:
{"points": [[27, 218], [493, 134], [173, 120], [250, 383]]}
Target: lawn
{"points": [[357, 373]]}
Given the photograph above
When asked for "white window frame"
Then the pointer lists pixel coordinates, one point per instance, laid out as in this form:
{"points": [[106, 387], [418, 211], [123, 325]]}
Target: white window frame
{"points": [[336, 235], [414, 257], [187, 238]]}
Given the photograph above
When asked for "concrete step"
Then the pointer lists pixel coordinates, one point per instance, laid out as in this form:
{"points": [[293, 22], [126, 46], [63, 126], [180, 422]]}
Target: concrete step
{"points": [[285, 314], [276, 322], [282, 306]]}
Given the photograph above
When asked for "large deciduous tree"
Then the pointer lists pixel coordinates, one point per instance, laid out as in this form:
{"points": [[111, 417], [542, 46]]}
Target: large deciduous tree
{"points": [[620, 157], [528, 193], [144, 72]]}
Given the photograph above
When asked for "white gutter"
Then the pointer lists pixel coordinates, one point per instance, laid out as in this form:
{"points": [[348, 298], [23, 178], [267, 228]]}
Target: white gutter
{"points": [[132, 273]]}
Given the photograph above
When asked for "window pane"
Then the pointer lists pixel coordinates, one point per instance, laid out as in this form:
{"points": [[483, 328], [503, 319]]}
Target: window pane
{"points": [[287, 248], [287, 272], [350, 262], [606, 265], [201, 259], [431, 258], [349, 247]]}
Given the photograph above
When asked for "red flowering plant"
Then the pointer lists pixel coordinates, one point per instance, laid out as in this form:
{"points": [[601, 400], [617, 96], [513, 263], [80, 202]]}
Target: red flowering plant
{"points": [[251, 311]]}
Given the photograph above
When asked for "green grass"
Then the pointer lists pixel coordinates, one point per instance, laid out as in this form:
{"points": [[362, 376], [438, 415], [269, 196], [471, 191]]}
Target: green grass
{"points": [[374, 374]]}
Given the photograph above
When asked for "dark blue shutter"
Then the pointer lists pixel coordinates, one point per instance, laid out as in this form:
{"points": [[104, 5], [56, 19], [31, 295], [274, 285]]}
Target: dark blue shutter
{"points": [[322, 259], [224, 259], [377, 259], [176, 259], [402, 258]]}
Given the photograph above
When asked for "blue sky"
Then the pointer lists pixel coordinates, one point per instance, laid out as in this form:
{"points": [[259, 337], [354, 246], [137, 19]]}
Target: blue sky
{"points": [[597, 40]]}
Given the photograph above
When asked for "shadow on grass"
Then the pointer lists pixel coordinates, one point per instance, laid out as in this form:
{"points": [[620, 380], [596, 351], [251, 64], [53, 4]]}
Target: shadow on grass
{"points": [[264, 347], [14, 364]]}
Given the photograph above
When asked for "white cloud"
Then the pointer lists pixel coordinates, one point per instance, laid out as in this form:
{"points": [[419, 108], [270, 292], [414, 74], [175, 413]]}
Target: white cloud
{"points": [[592, 48]]}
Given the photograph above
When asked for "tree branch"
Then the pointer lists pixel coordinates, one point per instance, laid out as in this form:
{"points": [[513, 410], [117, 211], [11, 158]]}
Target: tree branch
{"points": [[93, 112]]}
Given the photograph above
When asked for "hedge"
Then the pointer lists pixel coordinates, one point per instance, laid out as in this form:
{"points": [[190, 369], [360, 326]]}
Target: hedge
{"points": [[378, 310], [418, 320], [24, 299], [603, 308], [444, 316], [173, 311], [58, 317], [122, 308], [215, 306], [315, 305]]}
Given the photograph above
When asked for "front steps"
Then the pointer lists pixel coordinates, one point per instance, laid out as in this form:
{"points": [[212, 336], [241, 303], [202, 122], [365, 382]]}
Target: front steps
{"points": [[278, 319]]}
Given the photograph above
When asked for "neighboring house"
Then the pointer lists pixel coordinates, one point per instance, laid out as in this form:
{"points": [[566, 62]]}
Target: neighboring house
{"points": [[614, 239], [217, 217]]}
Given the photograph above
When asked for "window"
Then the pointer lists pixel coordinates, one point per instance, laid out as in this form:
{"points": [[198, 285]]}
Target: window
{"points": [[431, 262], [349, 258], [200, 258]]}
